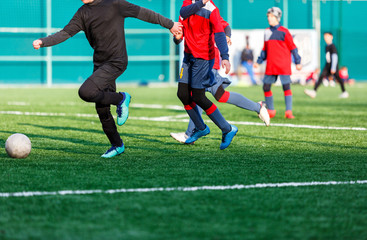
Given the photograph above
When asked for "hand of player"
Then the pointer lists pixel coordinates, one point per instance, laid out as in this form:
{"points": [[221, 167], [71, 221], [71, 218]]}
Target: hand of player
{"points": [[226, 65], [205, 1], [256, 65], [332, 72], [179, 36], [37, 44], [177, 28], [229, 41], [299, 67]]}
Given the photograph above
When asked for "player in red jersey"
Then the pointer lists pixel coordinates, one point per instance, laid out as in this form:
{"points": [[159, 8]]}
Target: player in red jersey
{"points": [[201, 20], [218, 90], [278, 47]]}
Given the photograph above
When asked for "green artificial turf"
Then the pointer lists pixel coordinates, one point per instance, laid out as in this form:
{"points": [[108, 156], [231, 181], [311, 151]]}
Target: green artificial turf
{"points": [[66, 149]]}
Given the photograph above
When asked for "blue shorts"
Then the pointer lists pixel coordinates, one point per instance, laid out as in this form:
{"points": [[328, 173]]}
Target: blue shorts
{"points": [[270, 79], [197, 72], [225, 82]]}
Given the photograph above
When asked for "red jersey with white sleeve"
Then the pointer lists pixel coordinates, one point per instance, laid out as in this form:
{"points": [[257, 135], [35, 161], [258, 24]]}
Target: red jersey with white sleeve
{"points": [[200, 29]]}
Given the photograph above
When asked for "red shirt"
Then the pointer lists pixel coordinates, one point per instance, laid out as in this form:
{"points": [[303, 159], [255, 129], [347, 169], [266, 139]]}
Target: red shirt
{"points": [[199, 30], [278, 45]]}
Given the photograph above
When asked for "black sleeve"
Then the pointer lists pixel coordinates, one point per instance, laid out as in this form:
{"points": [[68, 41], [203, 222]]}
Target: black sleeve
{"points": [[152, 17], [55, 39], [144, 14], [75, 25]]}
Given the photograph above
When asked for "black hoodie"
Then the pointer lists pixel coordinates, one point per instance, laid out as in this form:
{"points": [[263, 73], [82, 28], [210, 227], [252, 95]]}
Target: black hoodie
{"points": [[103, 24]]}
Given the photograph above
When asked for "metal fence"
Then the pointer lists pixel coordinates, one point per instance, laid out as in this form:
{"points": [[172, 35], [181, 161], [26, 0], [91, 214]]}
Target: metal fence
{"points": [[153, 57]]}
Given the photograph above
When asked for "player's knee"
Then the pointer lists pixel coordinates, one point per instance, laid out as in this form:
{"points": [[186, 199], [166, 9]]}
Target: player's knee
{"points": [[90, 95], [201, 100], [218, 97], [267, 87], [183, 96], [219, 94], [84, 93], [286, 87]]}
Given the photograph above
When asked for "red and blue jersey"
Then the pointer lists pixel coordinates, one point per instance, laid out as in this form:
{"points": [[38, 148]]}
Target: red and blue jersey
{"points": [[217, 53], [202, 24], [277, 50]]}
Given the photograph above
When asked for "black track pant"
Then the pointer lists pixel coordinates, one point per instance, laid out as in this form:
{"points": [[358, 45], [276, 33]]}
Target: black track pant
{"points": [[100, 88], [326, 73]]}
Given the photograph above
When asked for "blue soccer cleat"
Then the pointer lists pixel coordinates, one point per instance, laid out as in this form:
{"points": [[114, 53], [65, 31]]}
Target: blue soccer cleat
{"points": [[227, 137], [196, 134], [123, 109], [114, 151]]}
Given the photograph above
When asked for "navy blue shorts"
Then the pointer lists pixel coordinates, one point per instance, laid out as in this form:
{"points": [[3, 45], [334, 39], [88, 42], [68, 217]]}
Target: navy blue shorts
{"points": [[197, 72], [225, 82], [270, 79]]}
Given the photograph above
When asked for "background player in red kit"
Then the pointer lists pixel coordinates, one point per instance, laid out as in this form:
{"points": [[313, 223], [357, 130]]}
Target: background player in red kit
{"points": [[278, 47]]}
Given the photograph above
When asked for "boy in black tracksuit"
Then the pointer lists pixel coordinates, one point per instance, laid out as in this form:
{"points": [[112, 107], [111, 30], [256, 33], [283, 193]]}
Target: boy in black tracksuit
{"points": [[330, 69], [103, 24]]}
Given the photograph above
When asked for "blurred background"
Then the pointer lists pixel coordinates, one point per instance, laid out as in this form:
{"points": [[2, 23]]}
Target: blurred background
{"points": [[152, 55]]}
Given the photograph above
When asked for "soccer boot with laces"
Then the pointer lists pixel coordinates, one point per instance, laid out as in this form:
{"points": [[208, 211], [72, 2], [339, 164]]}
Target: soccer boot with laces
{"points": [[289, 114], [196, 134], [272, 113], [310, 93], [344, 95], [180, 137], [263, 114], [114, 151], [123, 109], [228, 137]]}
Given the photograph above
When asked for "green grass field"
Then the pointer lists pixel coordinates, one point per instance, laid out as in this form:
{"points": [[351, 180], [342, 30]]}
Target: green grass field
{"points": [[67, 141]]}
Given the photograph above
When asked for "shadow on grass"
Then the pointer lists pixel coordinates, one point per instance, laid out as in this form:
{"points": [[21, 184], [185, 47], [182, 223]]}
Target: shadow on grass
{"points": [[87, 144], [144, 137], [55, 138], [63, 128]]}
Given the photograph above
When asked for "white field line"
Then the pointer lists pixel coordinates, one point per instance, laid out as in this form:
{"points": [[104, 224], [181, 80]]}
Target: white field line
{"points": [[183, 118], [133, 105], [18, 104], [178, 189]]}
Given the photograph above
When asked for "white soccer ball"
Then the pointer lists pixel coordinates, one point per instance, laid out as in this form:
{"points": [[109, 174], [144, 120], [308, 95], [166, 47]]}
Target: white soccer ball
{"points": [[18, 146]]}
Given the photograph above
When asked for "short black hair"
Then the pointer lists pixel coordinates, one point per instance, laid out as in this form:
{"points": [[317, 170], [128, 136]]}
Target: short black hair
{"points": [[330, 33]]}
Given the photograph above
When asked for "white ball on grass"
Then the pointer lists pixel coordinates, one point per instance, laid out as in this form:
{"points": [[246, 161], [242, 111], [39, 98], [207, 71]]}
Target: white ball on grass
{"points": [[18, 146]]}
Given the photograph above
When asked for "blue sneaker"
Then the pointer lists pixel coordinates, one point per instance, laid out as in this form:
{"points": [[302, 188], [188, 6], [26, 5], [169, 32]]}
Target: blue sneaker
{"points": [[227, 137], [123, 109], [114, 151], [196, 134]]}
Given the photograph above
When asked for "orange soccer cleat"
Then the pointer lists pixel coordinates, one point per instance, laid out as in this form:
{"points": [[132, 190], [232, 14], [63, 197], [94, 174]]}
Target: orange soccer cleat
{"points": [[272, 113], [289, 114]]}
